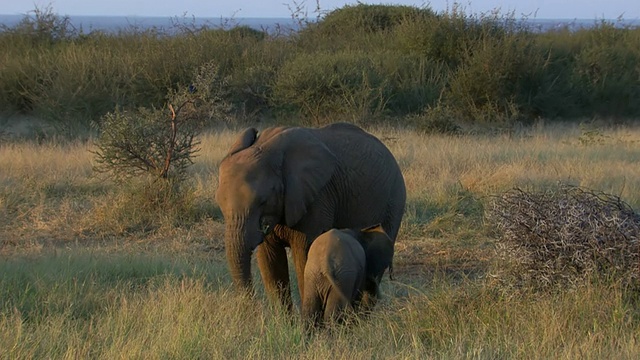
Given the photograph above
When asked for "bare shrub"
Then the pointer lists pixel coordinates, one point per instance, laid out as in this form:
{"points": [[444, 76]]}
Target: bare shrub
{"points": [[564, 235], [160, 142]]}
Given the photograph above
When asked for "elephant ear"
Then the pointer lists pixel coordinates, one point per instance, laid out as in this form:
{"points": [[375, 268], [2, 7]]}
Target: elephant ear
{"points": [[243, 141], [308, 165]]}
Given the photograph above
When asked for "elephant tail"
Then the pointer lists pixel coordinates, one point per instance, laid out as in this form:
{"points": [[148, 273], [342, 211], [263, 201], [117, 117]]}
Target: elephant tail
{"points": [[354, 288]]}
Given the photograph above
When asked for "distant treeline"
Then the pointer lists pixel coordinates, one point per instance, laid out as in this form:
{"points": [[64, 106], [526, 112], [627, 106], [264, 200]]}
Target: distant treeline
{"points": [[358, 63]]}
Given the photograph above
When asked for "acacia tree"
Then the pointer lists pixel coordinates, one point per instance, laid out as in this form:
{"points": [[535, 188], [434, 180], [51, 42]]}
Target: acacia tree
{"points": [[161, 142]]}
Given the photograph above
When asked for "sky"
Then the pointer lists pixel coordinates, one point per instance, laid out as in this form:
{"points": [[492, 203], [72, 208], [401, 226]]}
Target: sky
{"points": [[541, 9]]}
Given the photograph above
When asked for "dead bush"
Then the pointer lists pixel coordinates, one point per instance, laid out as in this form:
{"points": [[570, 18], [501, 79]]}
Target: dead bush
{"points": [[564, 235]]}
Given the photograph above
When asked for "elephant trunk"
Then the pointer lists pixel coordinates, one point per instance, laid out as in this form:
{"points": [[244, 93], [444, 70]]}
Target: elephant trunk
{"points": [[240, 242]]}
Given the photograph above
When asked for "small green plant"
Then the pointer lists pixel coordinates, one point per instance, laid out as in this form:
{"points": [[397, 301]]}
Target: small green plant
{"points": [[160, 142]]}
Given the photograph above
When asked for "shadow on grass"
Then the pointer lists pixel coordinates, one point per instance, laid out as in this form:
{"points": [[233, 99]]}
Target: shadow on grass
{"points": [[82, 283]]}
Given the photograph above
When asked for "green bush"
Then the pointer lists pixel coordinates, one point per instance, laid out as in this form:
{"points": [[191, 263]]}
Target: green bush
{"points": [[365, 18], [443, 38], [606, 73], [41, 26], [416, 82], [356, 86], [319, 86], [360, 27], [359, 63], [77, 80], [491, 84]]}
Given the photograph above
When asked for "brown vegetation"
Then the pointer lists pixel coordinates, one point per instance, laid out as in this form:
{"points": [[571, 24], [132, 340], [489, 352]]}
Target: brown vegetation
{"points": [[564, 235]]}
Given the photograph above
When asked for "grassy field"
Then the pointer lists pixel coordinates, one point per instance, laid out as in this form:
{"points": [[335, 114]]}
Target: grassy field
{"points": [[94, 269]]}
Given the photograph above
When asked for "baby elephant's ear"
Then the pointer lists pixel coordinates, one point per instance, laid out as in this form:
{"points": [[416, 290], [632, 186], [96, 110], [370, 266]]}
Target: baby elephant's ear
{"points": [[374, 228]]}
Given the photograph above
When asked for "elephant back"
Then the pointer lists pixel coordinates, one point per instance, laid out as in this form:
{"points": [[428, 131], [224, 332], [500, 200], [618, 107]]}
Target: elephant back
{"points": [[368, 179], [337, 250]]}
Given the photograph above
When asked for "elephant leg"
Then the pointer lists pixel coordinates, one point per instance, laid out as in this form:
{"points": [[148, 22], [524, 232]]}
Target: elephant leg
{"points": [[337, 305], [272, 262], [366, 302], [299, 250], [311, 309]]}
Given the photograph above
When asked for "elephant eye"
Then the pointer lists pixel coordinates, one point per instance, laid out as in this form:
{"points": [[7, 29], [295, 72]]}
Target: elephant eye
{"points": [[265, 227]]}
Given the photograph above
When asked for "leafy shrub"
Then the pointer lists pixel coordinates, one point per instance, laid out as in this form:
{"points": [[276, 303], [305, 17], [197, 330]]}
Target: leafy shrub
{"points": [[160, 142], [605, 72], [245, 31], [42, 26], [361, 27], [415, 82], [22, 46], [74, 82], [319, 86], [365, 18], [564, 235], [252, 75], [491, 85], [356, 85], [443, 38]]}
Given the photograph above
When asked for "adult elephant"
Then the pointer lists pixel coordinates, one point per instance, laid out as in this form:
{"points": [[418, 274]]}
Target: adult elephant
{"points": [[287, 185]]}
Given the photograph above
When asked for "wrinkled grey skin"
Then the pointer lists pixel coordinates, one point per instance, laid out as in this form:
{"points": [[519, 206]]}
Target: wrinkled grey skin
{"points": [[285, 186], [343, 273]]}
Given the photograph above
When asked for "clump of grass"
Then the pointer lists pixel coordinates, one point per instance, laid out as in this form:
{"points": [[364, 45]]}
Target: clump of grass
{"points": [[565, 235], [142, 206]]}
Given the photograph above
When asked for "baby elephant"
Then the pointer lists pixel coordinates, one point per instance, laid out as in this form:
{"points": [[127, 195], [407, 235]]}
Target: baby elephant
{"points": [[343, 271]]}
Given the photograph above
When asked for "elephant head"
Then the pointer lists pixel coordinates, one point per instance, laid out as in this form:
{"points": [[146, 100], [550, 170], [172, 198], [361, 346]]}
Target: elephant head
{"points": [[378, 249], [268, 180]]}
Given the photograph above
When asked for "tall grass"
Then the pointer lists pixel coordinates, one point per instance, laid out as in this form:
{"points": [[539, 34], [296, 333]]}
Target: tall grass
{"points": [[51, 186], [109, 306]]}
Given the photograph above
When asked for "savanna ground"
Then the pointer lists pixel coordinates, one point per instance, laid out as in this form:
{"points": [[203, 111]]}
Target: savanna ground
{"points": [[94, 269]]}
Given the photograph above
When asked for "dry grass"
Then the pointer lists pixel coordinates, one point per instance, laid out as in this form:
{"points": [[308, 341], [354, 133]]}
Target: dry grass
{"points": [[87, 275]]}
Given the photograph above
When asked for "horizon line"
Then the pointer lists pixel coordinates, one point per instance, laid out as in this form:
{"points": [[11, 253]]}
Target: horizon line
{"points": [[289, 17]]}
